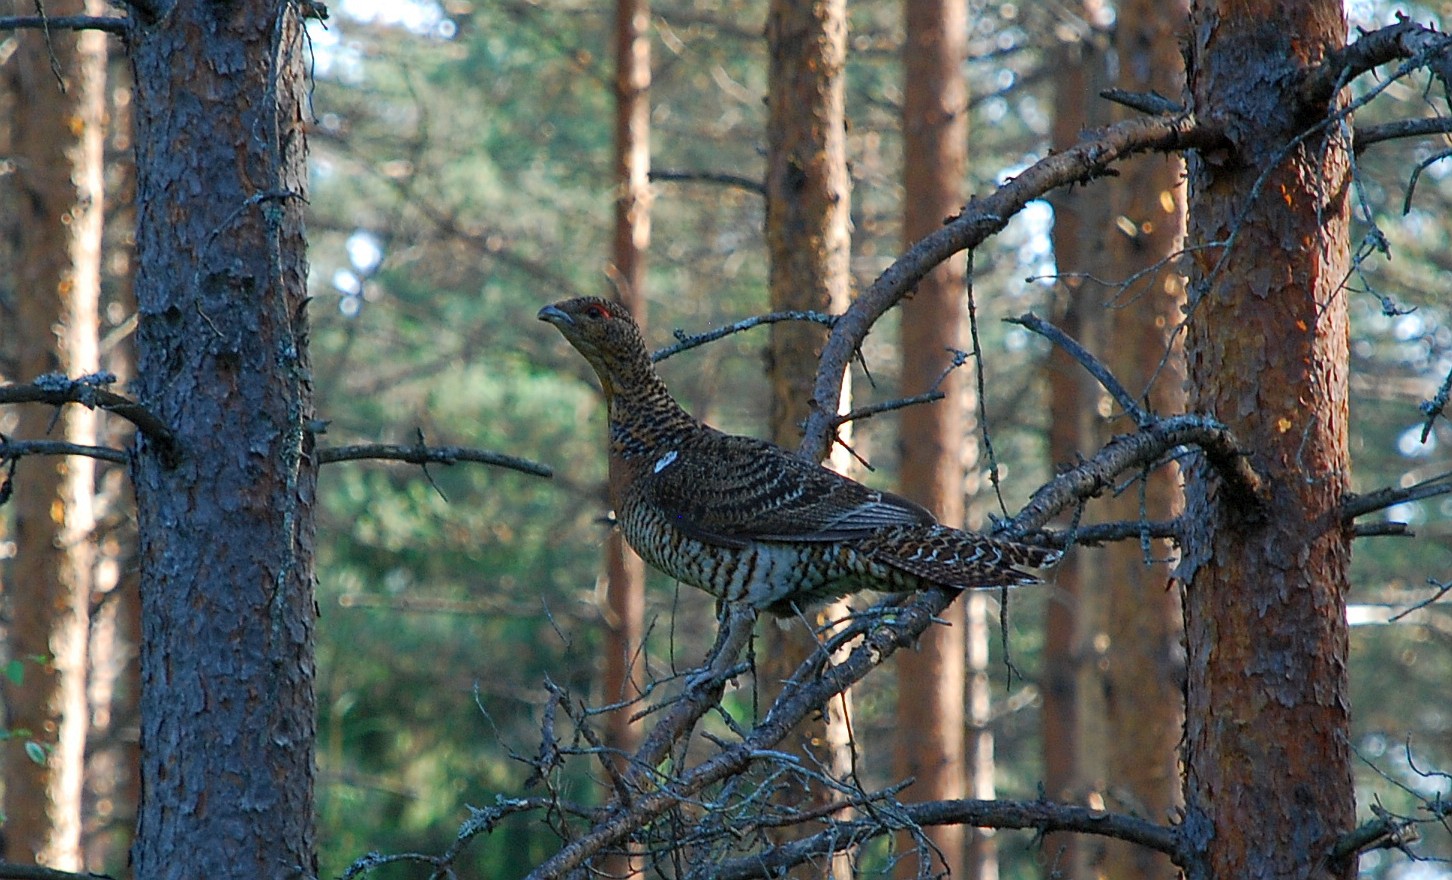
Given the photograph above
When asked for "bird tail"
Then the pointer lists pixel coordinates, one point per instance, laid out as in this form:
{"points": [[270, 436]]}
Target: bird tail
{"points": [[949, 557]]}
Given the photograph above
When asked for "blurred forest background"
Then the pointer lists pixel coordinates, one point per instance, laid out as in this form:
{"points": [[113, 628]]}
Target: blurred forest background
{"points": [[461, 163]]}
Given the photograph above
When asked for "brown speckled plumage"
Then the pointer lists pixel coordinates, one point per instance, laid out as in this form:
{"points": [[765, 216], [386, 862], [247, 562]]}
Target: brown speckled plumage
{"points": [[745, 520]]}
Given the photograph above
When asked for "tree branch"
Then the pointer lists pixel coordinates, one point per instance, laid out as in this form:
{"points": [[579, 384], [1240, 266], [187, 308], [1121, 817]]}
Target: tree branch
{"points": [[685, 342], [981, 218], [1353, 505], [422, 453], [1042, 815], [57, 390], [1365, 136], [735, 181], [1101, 373], [10, 449], [1405, 39], [111, 24], [1129, 451], [14, 871]]}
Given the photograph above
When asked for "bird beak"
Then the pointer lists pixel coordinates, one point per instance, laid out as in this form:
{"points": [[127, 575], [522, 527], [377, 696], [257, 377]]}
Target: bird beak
{"points": [[555, 316]]}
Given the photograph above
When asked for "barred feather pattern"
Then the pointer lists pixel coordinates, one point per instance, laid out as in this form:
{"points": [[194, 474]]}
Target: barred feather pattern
{"points": [[747, 521]]}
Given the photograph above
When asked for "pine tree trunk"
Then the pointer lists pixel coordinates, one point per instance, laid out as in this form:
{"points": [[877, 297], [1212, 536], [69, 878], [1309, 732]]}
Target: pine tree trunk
{"points": [[808, 195], [1268, 772], [625, 571], [226, 552], [58, 158], [931, 703]]}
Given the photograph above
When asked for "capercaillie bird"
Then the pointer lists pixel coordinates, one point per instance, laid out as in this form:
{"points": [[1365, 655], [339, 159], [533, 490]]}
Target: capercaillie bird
{"points": [[744, 519]]}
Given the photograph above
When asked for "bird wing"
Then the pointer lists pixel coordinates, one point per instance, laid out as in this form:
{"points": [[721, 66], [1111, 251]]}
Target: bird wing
{"points": [[731, 490]]}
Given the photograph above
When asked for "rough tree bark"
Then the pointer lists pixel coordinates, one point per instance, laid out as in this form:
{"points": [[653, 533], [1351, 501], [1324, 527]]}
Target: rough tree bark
{"points": [[808, 195], [226, 551], [625, 571], [931, 702], [1268, 770], [60, 133]]}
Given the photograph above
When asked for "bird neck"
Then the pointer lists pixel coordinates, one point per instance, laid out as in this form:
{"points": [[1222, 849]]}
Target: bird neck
{"points": [[643, 415]]}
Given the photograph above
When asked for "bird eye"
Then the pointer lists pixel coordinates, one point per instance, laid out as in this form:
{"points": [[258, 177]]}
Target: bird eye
{"points": [[597, 311]]}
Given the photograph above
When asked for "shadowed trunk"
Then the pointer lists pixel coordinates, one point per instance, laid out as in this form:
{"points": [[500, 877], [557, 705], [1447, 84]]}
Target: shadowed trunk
{"points": [[226, 523]]}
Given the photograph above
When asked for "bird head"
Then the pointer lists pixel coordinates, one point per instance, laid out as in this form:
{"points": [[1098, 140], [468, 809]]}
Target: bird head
{"points": [[605, 333]]}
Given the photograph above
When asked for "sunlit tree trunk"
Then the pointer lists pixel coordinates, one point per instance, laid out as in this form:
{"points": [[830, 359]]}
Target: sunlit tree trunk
{"points": [[1143, 664], [808, 195], [1268, 763], [625, 571], [227, 517], [113, 786], [932, 710], [1073, 709], [58, 165]]}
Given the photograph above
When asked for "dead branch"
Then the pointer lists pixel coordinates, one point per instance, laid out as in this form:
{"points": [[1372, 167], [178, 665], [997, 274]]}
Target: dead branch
{"points": [[685, 342], [1364, 136], [1101, 373], [1105, 533], [12, 449], [982, 217], [1354, 505], [734, 181], [1384, 832], [422, 453], [58, 390], [1129, 451], [14, 871], [1042, 815], [1404, 40], [111, 24]]}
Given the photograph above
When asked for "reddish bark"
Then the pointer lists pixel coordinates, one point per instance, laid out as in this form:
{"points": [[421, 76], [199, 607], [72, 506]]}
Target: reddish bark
{"points": [[625, 571], [808, 242], [1268, 777], [931, 706]]}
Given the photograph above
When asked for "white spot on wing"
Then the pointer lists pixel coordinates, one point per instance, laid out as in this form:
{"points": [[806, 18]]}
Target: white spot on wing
{"points": [[663, 462]]}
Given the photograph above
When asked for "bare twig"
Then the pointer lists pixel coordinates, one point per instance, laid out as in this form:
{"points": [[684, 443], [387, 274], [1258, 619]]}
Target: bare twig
{"points": [[111, 24], [873, 409], [1142, 418], [735, 181], [1384, 832], [57, 390], [1442, 589], [1129, 451], [423, 454], [1042, 815], [1354, 506], [10, 449], [1144, 102], [686, 342], [1405, 39], [1364, 136], [1437, 406], [14, 871]]}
